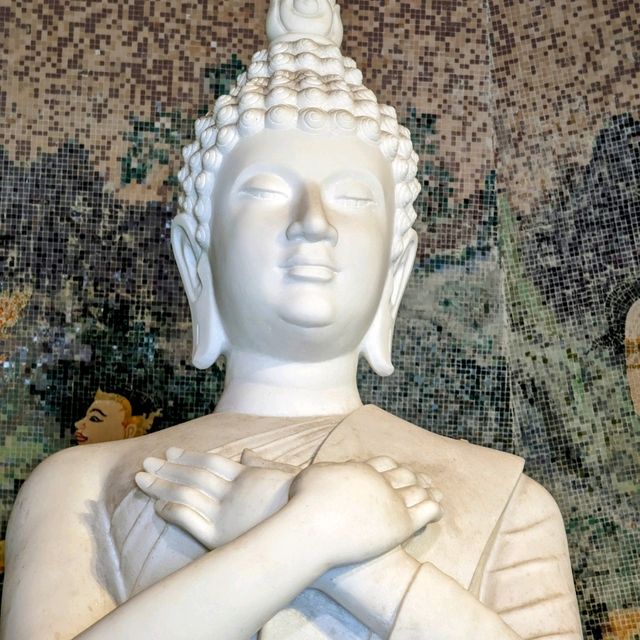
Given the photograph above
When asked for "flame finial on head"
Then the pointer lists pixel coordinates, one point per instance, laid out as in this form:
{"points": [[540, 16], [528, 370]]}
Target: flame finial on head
{"points": [[296, 19]]}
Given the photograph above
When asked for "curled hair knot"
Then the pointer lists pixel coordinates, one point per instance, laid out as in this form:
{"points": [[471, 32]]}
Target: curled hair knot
{"points": [[339, 99], [390, 125], [251, 122], [309, 80], [405, 147], [369, 129], [282, 77], [344, 121], [353, 77], [281, 95], [189, 150], [313, 97], [227, 137], [258, 70], [389, 145], [201, 124], [251, 100], [211, 160], [208, 137], [282, 61], [404, 196], [222, 102], [281, 117], [400, 169], [313, 120], [260, 56], [367, 108]]}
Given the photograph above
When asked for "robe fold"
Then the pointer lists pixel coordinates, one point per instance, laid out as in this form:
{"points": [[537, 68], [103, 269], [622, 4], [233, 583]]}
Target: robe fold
{"points": [[500, 545]]}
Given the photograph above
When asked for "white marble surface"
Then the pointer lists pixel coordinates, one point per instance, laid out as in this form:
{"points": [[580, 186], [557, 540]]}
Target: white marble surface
{"points": [[293, 511]]}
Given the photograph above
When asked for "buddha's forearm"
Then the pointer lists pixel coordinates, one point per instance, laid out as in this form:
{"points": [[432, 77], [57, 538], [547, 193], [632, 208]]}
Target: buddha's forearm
{"points": [[437, 606], [372, 591], [395, 596], [227, 594]]}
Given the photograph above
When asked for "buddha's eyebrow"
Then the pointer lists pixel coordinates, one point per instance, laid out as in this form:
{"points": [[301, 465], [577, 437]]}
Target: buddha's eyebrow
{"points": [[104, 415]]}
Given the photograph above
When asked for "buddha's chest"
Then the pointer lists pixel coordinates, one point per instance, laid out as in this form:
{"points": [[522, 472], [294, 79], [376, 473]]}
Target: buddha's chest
{"points": [[149, 549], [146, 547]]}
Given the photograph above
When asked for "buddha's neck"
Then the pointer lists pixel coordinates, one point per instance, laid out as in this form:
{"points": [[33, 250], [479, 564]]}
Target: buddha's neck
{"points": [[259, 385]]}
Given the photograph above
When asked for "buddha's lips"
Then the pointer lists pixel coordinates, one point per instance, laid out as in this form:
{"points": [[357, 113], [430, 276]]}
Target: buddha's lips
{"points": [[311, 273], [80, 437], [313, 268]]}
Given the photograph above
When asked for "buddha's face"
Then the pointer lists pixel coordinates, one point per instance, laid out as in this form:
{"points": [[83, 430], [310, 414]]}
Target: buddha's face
{"points": [[104, 421], [301, 238]]}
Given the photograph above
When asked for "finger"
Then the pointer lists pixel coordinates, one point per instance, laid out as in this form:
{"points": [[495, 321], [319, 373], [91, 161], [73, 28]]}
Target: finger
{"points": [[174, 492], [225, 468], [425, 512], [400, 477], [382, 463], [201, 528], [202, 479], [412, 495]]}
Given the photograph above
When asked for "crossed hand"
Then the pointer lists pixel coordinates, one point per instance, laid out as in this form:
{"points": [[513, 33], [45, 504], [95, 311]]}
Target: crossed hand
{"points": [[363, 509]]}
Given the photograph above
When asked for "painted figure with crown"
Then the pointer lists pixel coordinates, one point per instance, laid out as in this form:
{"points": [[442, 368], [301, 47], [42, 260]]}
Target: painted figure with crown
{"points": [[292, 511]]}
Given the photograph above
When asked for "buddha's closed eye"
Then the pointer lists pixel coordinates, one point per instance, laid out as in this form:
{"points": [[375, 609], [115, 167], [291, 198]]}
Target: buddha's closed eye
{"points": [[264, 186], [263, 194], [351, 194], [356, 203]]}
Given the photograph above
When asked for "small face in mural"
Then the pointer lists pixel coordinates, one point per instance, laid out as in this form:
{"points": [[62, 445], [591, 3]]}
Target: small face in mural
{"points": [[104, 421], [110, 418]]}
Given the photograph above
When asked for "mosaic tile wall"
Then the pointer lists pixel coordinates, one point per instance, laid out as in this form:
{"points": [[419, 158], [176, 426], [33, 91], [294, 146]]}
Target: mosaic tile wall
{"points": [[525, 114]]}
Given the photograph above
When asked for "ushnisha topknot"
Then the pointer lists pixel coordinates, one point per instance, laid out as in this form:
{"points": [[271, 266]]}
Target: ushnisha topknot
{"points": [[302, 81]]}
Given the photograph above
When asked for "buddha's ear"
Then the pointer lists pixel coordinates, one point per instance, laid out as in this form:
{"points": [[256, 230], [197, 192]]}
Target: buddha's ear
{"points": [[376, 345], [195, 270]]}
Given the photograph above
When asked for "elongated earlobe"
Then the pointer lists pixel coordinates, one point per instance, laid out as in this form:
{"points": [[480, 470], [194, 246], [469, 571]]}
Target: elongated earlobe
{"points": [[376, 345], [209, 339]]}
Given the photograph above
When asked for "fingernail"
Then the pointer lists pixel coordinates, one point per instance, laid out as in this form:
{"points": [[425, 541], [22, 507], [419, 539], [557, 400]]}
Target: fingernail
{"points": [[174, 452], [144, 480], [160, 505], [152, 464]]}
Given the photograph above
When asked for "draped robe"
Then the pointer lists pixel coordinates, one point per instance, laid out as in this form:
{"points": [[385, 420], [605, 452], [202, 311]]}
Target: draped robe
{"points": [[501, 537]]}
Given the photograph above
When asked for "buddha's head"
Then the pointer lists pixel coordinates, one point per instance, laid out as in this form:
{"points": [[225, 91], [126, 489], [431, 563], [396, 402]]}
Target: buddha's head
{"points": [[295, 235], [111, 416]]}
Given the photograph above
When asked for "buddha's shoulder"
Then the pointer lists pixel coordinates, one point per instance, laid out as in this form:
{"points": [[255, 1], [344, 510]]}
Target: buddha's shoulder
{"points": [[413, 441]]}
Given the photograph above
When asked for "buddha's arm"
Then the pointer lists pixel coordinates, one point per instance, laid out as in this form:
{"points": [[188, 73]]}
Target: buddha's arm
{"points": [[54, 586], [526, 590], [229, 593]]}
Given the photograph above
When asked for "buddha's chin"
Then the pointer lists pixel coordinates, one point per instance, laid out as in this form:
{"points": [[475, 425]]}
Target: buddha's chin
{"points": [[309, 311]]}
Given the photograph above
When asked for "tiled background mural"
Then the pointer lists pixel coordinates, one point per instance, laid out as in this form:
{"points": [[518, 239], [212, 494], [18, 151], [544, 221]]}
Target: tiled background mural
{"points": [[515, 331]]}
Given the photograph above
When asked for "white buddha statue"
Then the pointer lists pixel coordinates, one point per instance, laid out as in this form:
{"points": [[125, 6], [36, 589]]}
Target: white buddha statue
{"points": [[292, 511]]}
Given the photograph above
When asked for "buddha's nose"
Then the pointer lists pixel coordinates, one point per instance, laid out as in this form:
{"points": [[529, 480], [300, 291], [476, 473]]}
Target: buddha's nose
{"points": [[310, 220]]}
